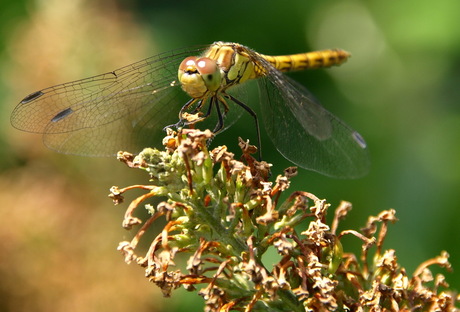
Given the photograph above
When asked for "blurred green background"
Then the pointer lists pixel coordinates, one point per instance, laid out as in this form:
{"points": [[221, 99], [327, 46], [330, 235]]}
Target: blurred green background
{"points": [[400, 90]]}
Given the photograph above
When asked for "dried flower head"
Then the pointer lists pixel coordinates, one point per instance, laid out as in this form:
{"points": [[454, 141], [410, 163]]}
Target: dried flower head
{"points": [[224, 215]]}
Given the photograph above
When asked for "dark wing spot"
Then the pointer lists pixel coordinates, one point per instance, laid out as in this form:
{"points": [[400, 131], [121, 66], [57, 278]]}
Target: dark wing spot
{"points": [[31, 97], [66, 112], [359, 139]]}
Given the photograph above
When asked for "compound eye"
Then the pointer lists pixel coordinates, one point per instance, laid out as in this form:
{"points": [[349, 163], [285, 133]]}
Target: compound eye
{"points": [[188, 64], [206, 66]]}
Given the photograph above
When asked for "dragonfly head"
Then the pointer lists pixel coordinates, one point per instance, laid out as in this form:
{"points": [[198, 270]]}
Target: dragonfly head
{"points": [[199, 76]]}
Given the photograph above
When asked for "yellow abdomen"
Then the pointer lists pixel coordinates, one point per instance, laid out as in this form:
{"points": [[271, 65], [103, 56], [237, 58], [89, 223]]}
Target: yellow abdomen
{"points": [[309, 60]]}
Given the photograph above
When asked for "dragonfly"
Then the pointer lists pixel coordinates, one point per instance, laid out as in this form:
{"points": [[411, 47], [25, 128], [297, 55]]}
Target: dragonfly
{"points": [[125, 108]]}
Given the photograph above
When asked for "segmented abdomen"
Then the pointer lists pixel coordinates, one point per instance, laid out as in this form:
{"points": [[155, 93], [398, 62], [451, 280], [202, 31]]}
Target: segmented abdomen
{"points": [[309, 60]]}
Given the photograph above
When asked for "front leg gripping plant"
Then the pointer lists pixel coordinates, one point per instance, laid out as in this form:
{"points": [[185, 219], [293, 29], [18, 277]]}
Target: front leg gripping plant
{"points": [[224, 216]]}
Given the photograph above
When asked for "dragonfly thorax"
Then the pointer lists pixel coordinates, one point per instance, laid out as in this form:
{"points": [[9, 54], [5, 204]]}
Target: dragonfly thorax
{"points": [[199, 76]]}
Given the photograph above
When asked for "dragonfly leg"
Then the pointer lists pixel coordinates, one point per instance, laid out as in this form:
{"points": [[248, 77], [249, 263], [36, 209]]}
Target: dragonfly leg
{"points": [[220, 121], [182, 121], [208, 112], [196, 112], [198, 107], [214, 101], [254, 115]]}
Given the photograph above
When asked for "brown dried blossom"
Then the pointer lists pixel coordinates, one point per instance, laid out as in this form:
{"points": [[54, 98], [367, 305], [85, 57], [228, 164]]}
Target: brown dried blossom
{"points": [[224, 215]]}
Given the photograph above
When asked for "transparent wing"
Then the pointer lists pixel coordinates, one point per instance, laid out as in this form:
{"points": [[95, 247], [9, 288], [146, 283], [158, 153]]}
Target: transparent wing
{"points": [[100, 115], [306, 133]]}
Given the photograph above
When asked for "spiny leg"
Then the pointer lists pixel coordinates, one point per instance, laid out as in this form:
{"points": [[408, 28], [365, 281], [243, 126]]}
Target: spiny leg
{"points": [[199, 107], [220, 117], [209, 109], [254, 115], [196, 111], [220, 123], [181, 121]]}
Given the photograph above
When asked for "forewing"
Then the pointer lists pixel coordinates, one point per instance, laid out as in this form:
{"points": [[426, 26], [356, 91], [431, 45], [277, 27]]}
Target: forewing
{"points": [[100, 115]]}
